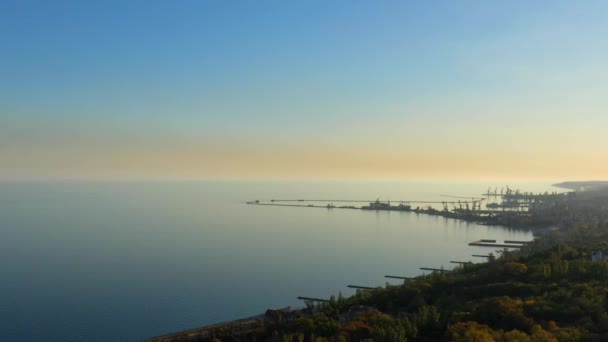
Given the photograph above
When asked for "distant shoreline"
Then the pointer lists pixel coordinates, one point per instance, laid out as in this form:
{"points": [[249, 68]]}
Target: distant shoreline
{"points": [[582, 185]]}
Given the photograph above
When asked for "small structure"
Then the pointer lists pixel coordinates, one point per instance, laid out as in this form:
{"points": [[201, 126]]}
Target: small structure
{"points": [[404, 207], [599, 255], [378, 205]]}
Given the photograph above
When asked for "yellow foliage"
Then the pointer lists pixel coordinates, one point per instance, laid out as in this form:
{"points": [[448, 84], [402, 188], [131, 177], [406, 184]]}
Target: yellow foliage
{"points": [[470, 332]]}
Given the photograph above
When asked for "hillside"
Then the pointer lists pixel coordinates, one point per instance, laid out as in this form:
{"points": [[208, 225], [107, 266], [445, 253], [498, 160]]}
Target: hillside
{"points": [[583, 185]]}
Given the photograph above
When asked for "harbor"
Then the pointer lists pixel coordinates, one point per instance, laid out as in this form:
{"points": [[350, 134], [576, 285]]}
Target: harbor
{"points": [[508, 207], [387, 232]]}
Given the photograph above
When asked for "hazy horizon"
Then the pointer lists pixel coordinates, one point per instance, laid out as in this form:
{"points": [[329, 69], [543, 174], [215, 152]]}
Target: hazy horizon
{"points": [[138, 178], [399, 90]]}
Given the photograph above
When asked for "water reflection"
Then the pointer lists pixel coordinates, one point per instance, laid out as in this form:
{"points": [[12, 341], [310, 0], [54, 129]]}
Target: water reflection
{"points": [[130, 260]]}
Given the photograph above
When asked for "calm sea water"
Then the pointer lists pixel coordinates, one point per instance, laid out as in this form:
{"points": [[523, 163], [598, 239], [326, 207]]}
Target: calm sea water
{"points": [[124, 261]]}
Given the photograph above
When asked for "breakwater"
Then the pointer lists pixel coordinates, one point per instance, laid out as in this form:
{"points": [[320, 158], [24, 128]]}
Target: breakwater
{"points": [[470, 211]]}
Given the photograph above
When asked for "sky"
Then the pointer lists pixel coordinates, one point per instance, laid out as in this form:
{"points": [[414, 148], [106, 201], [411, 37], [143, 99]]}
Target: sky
{"points": [[371, 90]]}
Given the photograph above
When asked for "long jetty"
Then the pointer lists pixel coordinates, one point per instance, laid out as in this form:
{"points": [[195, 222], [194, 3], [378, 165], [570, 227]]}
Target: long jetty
{"points": [[492, 243], [302, 205], [433, 269], [313, 299], [237, 326], [274, 201], [467, 210], [361, 287], [398, 277]]}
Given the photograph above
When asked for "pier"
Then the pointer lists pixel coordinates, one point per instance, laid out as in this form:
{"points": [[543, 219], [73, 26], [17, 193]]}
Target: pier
{"points": [[519, 242], [492, 243], [433, 269], [312, 299], [398, 277], [467, 210], [361, 287], [473, 205], [366, 201], [315, 304], [328, 206], [514, 208]]}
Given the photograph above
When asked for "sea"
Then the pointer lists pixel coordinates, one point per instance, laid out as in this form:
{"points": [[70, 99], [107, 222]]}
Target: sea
{"points": [[122, 261]]}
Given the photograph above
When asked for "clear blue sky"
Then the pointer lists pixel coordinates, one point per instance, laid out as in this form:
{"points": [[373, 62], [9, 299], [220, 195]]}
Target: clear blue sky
{"points": [[248, 89]]}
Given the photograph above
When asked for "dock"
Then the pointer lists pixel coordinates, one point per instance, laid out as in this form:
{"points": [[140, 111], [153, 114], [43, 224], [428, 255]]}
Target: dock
{"points": [[398, 277], [328, 206], [519, 242], [365, 201], [492, 243], [361, 287], [516, 209], [312, 299], [433, 269]]}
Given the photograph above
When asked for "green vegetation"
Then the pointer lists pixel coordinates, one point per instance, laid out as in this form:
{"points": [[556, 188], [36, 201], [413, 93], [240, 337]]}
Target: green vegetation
{"points": [[551, 290]]}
